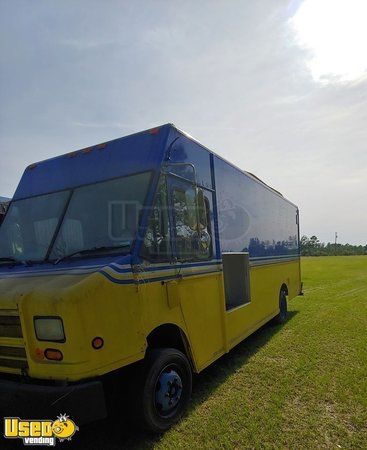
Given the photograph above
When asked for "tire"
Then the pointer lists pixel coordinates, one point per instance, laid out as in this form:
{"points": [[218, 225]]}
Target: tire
{"points": [[165, 389], [281, 317]]}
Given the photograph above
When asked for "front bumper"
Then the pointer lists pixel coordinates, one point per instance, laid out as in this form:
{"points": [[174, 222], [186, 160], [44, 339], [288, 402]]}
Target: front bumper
{"points": [[83, 402]]}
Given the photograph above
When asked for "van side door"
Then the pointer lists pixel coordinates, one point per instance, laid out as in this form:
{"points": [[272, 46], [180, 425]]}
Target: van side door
{"points": [[198, 274]]}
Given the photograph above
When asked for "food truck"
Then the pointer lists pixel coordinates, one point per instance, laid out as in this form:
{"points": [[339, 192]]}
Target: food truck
{"points": [[149, 252]]}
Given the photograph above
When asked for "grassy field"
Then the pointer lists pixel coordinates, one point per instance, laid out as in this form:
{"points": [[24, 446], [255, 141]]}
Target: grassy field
{"points": [[300, 385]]}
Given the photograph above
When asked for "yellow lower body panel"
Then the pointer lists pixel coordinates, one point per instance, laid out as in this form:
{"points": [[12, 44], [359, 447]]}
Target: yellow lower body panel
{"points": [[124, 311], [213, 330]]}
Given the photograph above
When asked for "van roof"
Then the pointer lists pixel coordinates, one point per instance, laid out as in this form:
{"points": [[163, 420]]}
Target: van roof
{"points": [[137, 152]]}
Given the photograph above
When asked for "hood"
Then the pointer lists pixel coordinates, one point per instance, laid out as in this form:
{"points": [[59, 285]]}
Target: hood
{"points": [[17, 283]]}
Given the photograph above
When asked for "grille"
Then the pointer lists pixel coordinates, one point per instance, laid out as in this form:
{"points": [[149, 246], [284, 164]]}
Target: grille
{"points": [[13, 356], [10, 327], [13, 363], [15, 352]]}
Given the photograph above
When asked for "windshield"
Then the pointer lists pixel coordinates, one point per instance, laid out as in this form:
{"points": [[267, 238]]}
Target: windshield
{"points": [[29, 226], [104, 214]]}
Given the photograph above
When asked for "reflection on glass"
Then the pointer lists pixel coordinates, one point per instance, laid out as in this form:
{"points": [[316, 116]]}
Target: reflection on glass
{"points": [[157, 245], [29, 226], [105, 214], [192, 236]]}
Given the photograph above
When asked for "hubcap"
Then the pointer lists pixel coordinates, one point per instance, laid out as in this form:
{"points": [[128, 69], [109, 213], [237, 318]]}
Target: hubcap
{"points": [[168, 391]]}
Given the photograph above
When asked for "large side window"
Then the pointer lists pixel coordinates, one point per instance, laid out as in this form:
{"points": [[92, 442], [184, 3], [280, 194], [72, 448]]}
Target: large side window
{"points": [[191, 225], [157, 241]]}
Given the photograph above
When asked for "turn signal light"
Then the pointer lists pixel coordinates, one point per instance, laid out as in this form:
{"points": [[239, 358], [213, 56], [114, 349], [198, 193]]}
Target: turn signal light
{"points": [[53, 354]]}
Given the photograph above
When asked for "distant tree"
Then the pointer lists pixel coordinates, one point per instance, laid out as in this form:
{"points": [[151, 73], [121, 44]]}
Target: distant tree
{"points": [[313, 247]]}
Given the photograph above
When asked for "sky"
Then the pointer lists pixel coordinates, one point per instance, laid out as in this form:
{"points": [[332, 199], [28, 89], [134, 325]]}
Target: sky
{"points": [[277, 87]]}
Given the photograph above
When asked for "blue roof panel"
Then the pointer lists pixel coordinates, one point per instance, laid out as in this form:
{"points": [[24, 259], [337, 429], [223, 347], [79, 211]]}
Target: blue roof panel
{"points": [[135, 153]]}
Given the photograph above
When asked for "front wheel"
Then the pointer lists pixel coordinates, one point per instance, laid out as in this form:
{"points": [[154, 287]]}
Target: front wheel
{"points": [[166, 389], [281, 317]]}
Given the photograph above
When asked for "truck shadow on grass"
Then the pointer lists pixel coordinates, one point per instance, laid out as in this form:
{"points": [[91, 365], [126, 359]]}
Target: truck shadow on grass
{"points": [[115, 432]]}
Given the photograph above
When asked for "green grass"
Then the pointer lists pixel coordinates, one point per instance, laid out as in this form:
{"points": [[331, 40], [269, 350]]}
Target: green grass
{"points": [[300, 385]]}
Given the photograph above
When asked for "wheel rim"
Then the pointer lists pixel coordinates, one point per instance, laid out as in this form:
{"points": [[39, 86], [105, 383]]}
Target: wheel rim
{"points": [[168, 391]]}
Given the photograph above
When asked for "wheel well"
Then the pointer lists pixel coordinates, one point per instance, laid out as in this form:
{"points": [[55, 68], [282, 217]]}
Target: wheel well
{"points": [[168, 335], [284, 288]]}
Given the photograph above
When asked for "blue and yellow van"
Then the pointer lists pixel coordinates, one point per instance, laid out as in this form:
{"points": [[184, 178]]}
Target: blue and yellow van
{"points": [[148, 250]]}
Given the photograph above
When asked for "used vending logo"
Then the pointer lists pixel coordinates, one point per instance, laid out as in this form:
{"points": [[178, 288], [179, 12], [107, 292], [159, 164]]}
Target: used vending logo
{"points": [[40, 432]]}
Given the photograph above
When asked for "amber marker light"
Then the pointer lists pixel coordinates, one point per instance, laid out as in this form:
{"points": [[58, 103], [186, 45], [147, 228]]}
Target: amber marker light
{"points": [[97, 343], [39, 353], [53, 354]]}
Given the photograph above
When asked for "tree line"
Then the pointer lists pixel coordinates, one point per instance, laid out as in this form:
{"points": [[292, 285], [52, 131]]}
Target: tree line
{"points": [[313, 247]]}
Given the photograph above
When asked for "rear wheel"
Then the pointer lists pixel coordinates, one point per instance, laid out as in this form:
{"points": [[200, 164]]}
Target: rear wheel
{"points": [[281, 317], [165, 389]]}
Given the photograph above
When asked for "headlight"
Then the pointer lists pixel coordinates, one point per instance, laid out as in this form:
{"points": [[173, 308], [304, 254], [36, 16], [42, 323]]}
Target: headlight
{"points": [[49, 329]]}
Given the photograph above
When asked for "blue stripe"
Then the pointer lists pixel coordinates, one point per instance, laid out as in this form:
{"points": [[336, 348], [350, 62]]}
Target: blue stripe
{"points": [[115, 280], [43, 274], [79, 270], [259, 258], [47, 269], [151, 280], [172, 266]]}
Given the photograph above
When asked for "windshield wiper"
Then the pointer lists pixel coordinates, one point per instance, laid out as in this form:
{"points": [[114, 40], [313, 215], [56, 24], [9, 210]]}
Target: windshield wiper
{"points": [[91, 251]]}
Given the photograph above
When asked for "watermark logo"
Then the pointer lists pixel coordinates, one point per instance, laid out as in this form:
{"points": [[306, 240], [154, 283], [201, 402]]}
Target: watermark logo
{"points": [[40, 432], [234, 220]]}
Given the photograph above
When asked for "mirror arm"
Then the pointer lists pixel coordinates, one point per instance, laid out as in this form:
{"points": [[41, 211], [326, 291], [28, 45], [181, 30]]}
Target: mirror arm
{"points": [[165, 170]]}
